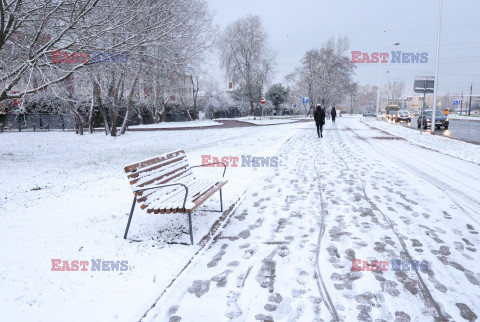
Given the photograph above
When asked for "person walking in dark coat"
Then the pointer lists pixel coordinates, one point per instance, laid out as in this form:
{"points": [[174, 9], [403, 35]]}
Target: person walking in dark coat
{"points": [[334, 114], [319, 117]]}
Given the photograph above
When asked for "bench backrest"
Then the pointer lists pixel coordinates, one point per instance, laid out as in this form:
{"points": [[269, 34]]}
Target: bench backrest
{"points": [[165, 168]]}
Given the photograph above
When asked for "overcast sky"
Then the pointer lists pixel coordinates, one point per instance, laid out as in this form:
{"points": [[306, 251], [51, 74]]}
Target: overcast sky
{"points": [[297, 26]]}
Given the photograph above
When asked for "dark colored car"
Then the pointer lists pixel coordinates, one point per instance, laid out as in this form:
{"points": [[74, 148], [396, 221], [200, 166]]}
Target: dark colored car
{"points": [[425, 119], [403, 116], [369, 112]]}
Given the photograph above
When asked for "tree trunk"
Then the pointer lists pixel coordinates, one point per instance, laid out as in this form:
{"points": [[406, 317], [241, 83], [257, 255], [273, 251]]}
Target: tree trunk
{"points": [[129, 103], [90, 115], [125, 120], [163, 111], [114, 114], [195, 94], [98, 101], [78, 123], [186, 111]]}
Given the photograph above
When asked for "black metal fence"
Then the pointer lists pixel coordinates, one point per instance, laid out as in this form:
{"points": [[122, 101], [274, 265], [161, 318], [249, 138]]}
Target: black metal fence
{"points": [[36, 122]]}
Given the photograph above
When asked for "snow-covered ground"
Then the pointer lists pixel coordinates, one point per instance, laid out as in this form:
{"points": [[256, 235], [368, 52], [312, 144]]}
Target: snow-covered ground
{"points": [[66, 197], [266, 120], [285, 251], [196, 123], [456, 148], [465, 117]]}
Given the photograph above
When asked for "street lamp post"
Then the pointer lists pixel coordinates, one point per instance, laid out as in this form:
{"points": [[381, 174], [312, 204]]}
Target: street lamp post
{"points": [[379, 69], [436, 68]]}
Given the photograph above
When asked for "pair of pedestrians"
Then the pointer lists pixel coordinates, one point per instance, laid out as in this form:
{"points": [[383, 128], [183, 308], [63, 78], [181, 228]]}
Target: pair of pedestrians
{"points": [[319, 117]]}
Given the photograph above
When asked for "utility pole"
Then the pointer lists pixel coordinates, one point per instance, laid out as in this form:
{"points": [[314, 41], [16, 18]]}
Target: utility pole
{"points": [[379, 69], [461, 104], [470, 104]]}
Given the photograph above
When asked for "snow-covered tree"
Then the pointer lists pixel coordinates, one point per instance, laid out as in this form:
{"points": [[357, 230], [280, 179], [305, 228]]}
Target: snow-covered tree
{"points": [[117, 45], [277, 94], [247, 57], [325, 74]]}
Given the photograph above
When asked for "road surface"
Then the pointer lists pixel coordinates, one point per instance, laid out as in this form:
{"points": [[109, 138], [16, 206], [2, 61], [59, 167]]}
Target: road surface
{"points": [[462, 129]]}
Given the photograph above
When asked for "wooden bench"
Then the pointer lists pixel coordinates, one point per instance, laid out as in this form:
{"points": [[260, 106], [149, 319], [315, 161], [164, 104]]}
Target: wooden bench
{"points": [[166, 184]]}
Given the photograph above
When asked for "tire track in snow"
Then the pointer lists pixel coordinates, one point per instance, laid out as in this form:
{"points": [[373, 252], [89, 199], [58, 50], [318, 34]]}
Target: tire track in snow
{"points": [[442, 186], [320, 283], [443, 316]]}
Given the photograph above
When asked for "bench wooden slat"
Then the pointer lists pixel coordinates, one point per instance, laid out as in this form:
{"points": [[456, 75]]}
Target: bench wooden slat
{"points": [[185, 179], [165, 172], [176, 200], [201, 199], [159, 159], [141, 171]]}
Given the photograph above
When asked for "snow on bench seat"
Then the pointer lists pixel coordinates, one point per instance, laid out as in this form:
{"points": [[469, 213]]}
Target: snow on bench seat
{"points": [[169, 168]]}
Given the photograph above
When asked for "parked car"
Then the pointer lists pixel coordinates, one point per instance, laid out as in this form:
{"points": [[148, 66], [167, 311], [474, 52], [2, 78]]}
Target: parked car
{"points": [[369, 113], [403, 116], [425, 119]]}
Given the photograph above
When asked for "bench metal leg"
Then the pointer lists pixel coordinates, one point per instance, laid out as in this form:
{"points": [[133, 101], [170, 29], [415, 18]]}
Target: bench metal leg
{"points": [[221, 205], [130, 218], [190, 223], [221, 201]]}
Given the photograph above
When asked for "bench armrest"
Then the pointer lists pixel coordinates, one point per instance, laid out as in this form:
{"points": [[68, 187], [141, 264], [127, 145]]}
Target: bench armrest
{"points": [[163, 186], [208, 164]]}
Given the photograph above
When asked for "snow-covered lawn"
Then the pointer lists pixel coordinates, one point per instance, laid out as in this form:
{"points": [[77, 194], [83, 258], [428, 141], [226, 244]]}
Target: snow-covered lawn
{"points": [[169, 125], [465, 151], [66, 197]]}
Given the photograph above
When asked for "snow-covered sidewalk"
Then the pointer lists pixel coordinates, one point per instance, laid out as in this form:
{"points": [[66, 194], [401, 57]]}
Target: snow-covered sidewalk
{"points": [[354, 197]]}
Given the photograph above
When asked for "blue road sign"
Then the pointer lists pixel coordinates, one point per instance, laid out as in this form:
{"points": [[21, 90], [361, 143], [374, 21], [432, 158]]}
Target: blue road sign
{"points": [[305, 100], [456, 102]]}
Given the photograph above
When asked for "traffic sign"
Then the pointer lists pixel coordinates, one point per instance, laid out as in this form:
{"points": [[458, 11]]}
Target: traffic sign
{"points": [[262, 101], [423, 84], [456, 102], [305, 100]]}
